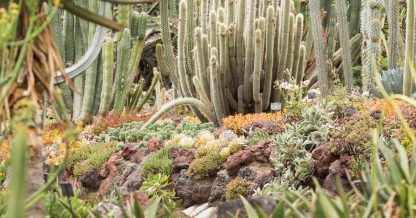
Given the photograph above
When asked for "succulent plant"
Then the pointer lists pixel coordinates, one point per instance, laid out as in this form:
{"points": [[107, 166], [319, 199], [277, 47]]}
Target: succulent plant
{"points": [[392, 81]]}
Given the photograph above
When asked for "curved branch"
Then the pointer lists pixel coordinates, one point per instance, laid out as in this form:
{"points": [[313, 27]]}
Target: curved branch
{"points": [[130, 1], [180, 102], [90, 55]]}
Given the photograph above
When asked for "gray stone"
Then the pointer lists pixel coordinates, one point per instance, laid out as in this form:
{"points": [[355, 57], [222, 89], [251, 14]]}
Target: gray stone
{"points": [[188, 211], [219, 187], [231, 207], [199, 209], [208, 213]]}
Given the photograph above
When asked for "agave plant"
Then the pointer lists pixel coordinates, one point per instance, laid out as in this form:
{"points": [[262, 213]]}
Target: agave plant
{"points": [[393, 82]]}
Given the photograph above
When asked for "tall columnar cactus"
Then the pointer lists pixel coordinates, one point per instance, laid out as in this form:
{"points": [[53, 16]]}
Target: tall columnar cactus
{"points": [[393, 10], [90, 74], [238, 53], [249, 57], [344, 35], [258, 63], [270, 41], [410, 43], [371, 29], [355, 9], [319, 45], [108, 74], [95, 92], [123, 56]]}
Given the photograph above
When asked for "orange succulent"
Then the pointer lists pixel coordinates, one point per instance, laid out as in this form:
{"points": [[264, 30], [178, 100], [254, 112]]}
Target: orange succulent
{"points": [[4, 150], [239, 121]]}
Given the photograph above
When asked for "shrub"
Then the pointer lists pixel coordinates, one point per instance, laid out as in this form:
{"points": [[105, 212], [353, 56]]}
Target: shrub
{"points": [[237, 187], [207, 165], [158, 163], [91, 157]]}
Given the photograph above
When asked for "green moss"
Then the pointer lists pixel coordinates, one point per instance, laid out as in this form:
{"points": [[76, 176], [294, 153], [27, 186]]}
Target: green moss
{"points": [[158, 163], [237, 187], [91, 157], [203, 166]]}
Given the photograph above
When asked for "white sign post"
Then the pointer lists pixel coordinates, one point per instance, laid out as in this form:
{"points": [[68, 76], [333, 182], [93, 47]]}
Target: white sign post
{"points": [[229, 135], [275, 106]]}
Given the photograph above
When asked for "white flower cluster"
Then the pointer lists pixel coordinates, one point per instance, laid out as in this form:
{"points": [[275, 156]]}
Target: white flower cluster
{"points": [[290, 86]]}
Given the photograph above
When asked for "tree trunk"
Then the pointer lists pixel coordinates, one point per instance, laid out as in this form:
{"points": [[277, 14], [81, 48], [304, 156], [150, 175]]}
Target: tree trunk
{"points": [[34, 176]]}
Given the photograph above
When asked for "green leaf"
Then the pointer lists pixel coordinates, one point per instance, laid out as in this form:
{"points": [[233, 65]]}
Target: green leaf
{"points": [[152, 210], [137, 210], [251, 212], [279, 211]]}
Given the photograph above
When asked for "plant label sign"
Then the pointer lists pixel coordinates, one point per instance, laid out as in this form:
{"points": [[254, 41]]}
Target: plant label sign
{"points": [[67, 189], [276, 106], [229, 134]]}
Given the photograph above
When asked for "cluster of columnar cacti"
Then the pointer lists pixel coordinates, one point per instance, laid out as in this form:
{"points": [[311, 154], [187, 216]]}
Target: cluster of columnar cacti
{"points": [[105, 85], [239, 47]]}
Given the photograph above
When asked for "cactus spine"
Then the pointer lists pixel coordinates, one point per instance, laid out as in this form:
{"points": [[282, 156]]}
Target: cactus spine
{"points": [[315, 16], [410, 43], [344, 35]]}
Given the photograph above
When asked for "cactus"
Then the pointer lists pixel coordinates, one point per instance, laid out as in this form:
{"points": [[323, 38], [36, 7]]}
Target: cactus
{"points": [[319, 43], [355, 8], [232, 74], [96, 92], [90, 74], [270, 41], [249, 57], [393, 33], [410, 43], [344, 35], [108, 73], [258, 63], [79, 80], [371, 29], [297, 46], [123, 57]]}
